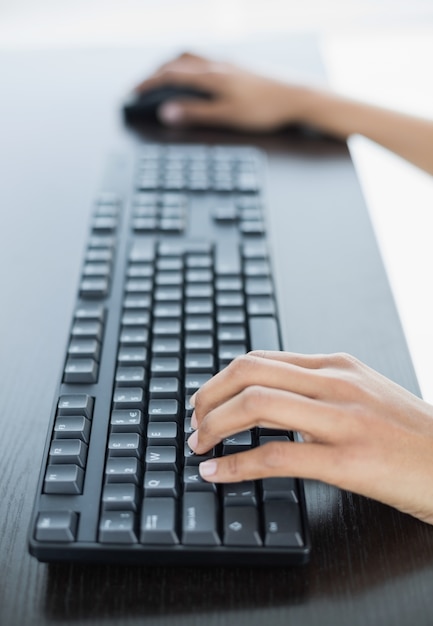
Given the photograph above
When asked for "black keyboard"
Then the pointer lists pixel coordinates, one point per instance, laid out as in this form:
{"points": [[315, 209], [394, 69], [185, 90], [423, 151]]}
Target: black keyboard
{"points": [[176, 283]]}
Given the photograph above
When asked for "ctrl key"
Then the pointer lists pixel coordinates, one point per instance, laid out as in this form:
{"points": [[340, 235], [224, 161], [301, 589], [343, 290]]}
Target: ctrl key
{"points": [[56, 526]]}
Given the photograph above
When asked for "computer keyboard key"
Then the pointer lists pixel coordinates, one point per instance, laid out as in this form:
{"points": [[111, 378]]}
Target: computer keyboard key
{"points": [[161, 458], [228, 299], [94, 287], [140, 317], [165, 366], [158, 521], [193, 382], [128, 398], [230, 316], [198, 323], [58, 526], [163, 346], [164, 387], [120, 497], [76, 404], [127, 376], [96, 270], [167, 311], [258, 287], [132, 355], [90, 311], [167, 328], [168, 294], [191, 459], [198, 342], [228, 352], [117, 527], [66, 479], [97, 255], [162, 433], [199, 519], [72, 451], [134, 336], [134, 302], [140, 270], [264, 333], [238, 442], [198, 290], [240, 494], [199, 306], [87, 329], [161, 483], [241, 526], [283, 527], [81, 371], [261, 305], [72, 427], [231, 333], [197, 362], [138, 285], [192, 481], [123, 470], [125, 444], [81, 348], [127, 421], [163, 410], [279, 488], [256, 268]]}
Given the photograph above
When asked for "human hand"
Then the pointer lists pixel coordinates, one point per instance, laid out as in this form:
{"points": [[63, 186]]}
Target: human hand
{"points": [[241, 99], [362, 432]]}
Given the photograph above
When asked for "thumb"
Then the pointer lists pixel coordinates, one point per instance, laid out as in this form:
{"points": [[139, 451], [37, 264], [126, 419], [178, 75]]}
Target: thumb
{"points": [[179, 113]]}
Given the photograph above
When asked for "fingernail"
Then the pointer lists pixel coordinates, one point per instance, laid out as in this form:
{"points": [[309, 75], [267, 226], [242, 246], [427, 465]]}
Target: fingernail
{"points": [[171, 113], [194, 421], [193, 440], [192, 399], [207, 468]]}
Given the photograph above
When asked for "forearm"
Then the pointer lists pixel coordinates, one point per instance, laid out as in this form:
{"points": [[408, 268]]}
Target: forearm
{"points": [[407, 136]]}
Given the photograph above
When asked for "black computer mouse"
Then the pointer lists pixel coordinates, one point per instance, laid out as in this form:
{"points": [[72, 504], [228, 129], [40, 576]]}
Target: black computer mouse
{"points": [[143, 106]]}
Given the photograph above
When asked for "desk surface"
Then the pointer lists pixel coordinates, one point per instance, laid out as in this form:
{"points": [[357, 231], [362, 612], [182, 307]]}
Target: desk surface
{"points": [[370, 564]]}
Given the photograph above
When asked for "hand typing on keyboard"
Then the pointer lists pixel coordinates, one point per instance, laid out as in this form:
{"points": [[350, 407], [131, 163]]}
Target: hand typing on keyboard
{"points": [[361, 431]]}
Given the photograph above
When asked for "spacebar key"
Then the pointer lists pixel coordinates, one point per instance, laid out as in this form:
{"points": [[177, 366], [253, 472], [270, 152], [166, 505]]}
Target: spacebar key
{"points": [[264, 333]]}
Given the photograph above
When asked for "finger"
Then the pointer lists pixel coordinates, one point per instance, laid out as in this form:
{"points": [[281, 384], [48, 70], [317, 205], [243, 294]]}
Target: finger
{"points": [[298, 460], [185, 61], [191, 56], [206, 80], [250, 369], [269, 408], [308, 361], [190, 113]]}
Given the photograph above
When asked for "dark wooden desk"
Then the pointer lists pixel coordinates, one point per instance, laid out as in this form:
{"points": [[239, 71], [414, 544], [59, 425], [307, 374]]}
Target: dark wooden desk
{"points": [[370, 565]]}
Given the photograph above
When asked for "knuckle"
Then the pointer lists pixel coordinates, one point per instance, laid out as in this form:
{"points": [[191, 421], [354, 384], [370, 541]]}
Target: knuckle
{"points": [[343, 360], [232, 465], [205, 431], [257, 354], [242, 366], [199, 402], [274, 454], [254, 399]]}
